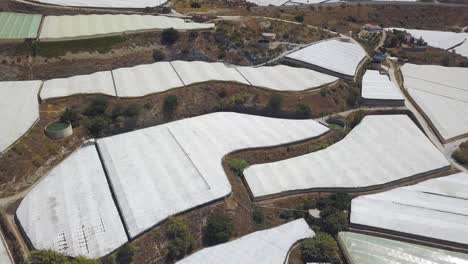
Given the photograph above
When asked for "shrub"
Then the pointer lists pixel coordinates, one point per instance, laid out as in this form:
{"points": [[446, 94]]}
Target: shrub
{"points": [[71, 116], [125, 254], [181, 242], [195, 5], [275, 102], [170, 103], [334, 221], [258, 216], [159, 55], [303, 111], [238, 166], [84, 260], [340, 201], [133, 110], [219, 229], [461, 154], [299, 18], [321, 248], [169, 36], [96, 125], [98, 106], [47, 257]]}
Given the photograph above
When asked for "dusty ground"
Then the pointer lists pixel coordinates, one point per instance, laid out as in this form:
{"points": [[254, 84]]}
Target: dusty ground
{"points": [[432, 56]]}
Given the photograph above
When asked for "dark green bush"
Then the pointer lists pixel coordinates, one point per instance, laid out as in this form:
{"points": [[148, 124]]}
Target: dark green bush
{"points": [[181, 240], [47, 257], [258, 216], [97, 107], [334, 221], [133, 110], [169, 36], [321, 248], [219, 229], [96, 125], [125, 254], [159, 55], [195, 5], [275, 103], [303, 111], [170, 103], [299, 18], [72, 116]]}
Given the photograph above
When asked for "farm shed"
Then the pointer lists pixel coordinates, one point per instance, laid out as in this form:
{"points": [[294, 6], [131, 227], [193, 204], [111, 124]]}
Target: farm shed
{"points": [[261, 247], [337, 57], [16, 27], [106, 3], [434, 210], [441, 94], [160, 171], [285, 78], [61, 28], [198, 71], [96, 83], [378, 90], [19, 110], [365, 249], [71, 210], [380, 150], [145, 79]]}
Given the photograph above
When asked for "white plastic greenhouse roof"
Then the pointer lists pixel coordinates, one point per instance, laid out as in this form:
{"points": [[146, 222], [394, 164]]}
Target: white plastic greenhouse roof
{"points": [[436, 208], [261, 247], [381, 149], [285, 78], [364, 249], [96, 83], [71, 210], [164, 170], [198, 71], [145, 79], [60, 28], [335, 55], [442, 94], [106, 3], [379, 87], [437, 39], [4, 256], [268, 2], [19, 110]]}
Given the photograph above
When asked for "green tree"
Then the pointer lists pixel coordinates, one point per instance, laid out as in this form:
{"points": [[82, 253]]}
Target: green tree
{"points": [[219, 229], [169, 36], [97, 107], [299, 18], [334, 221], [303, 111], [47, 257], [71, 116], [181, 240], [321, 248]]}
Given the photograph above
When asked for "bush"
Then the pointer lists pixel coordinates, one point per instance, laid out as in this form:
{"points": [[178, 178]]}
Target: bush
{"points": [[169, 36], [96, 125], [195, 5], [97, 107], [84, 260], [299, 18], [170, 103], [159, 55], [303, 111], [133, 110], [238, 166], [181, 242], [340, 201], [275, 102], [461, 154], [71, 116], [219, 229], [258, 216], [321, 248], [334, 221], [47, 257], [125, 254]]}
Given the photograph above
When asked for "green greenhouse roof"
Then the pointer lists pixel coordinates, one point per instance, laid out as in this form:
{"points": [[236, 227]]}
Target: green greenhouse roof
{"points": [[19, 26]]}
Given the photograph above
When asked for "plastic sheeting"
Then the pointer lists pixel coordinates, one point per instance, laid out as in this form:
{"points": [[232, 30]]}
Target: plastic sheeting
{"points": [[435, 208], [379, 87], [106, 3], [262, 247], [442, 94], [335, 55], [364, 249], [381, 149], [164, 170], [17, 26], [71, 210], [198, 71]]}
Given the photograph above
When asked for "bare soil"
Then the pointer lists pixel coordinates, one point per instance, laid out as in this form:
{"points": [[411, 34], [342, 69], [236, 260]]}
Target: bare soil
{"points": [[432, 56]]}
